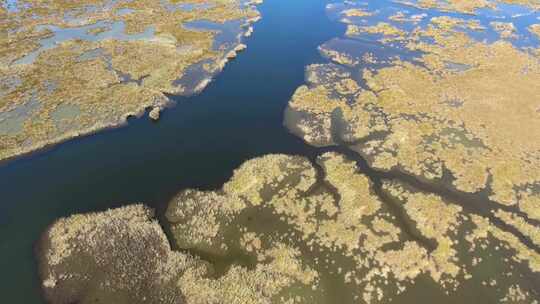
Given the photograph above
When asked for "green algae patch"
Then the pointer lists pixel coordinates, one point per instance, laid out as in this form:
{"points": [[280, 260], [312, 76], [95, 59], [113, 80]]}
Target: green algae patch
{"points": [[106, 59]]}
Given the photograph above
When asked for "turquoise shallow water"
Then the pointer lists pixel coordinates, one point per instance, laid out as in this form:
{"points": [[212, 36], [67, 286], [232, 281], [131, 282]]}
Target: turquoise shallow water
{"points": [[195, 144]]}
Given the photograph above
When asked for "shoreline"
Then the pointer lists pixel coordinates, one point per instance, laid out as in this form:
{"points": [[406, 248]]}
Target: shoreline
{"points": [[161, 104]]}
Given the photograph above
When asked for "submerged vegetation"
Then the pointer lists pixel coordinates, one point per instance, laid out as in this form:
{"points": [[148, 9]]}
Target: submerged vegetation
{"points": [[105, 60]]}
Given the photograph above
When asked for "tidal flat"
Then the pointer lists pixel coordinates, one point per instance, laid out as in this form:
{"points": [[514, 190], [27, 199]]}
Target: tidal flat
{"points": [[381, 205], [105, 59]]}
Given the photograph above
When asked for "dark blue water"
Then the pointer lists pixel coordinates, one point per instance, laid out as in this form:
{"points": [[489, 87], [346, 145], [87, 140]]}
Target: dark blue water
{"points": [[196, 144]]}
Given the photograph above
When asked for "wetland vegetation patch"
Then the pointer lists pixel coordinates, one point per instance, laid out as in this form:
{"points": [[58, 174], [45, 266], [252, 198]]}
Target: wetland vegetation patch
{"points": [[105, 60], [444, 102], [286, 230], [447, 102]]}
